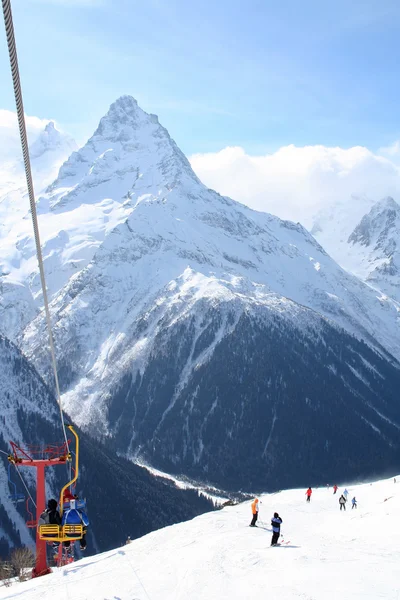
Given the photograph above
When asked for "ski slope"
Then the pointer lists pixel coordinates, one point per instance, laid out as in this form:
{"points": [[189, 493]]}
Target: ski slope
{"points": [[331, 554]]}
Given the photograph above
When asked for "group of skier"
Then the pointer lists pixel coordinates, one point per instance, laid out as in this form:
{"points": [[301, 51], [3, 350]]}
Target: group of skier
{"points": [[342, 499], [276, 520]]}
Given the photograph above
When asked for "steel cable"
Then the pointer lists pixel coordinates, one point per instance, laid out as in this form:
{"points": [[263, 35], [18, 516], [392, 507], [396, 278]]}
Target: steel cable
{"points": [[8, 21]]}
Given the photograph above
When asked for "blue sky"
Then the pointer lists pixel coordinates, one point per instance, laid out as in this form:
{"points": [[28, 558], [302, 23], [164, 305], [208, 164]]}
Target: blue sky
{"points": [[258, 74]]}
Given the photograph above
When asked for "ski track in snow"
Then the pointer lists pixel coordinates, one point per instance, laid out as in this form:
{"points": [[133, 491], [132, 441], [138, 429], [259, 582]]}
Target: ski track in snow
{"points": [[331, 554]]}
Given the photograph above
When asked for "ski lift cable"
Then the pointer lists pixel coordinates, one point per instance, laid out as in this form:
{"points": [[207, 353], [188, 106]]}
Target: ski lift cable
{"points": [[25, 486], [8, 21]]}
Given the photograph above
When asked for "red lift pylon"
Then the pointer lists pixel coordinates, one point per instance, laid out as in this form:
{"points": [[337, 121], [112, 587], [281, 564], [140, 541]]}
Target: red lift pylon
{"points": [[40, 458]]}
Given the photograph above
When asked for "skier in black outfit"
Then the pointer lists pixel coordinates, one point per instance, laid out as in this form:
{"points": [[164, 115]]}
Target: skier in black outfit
{"points": [[276, 528], [342, 502]]}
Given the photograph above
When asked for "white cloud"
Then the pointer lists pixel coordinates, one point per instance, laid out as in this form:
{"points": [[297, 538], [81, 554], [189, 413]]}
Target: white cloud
{"points": [[296, 182], [392, 150]]}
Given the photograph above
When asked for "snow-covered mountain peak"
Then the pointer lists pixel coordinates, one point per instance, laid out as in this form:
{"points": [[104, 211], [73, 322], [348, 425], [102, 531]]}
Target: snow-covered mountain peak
{"points": [[144, 263], [130, 159], [376, 227], [51, 140], [373, 247], [124, 114], [362, 236], [129, 147], [387, 203]]}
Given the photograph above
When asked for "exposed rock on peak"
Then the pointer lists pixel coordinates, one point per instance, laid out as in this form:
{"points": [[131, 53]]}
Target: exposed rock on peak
{"points": [[375, 242], [376, 226], [130, 147]]}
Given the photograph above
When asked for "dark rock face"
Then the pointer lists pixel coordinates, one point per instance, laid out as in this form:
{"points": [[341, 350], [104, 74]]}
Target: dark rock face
{"points": [[278, 405]]}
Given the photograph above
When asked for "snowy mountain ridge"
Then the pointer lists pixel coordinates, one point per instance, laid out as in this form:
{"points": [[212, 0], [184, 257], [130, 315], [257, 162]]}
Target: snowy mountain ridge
{"points": [[376, 240], [129, 145], [90, 196], [379, 222], [131, 159], [193, 275], [173, 222], [161, 287], [364, 241]]}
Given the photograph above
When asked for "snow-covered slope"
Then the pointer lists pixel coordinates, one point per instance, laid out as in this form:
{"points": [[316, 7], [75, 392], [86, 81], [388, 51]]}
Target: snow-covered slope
{"points": [[329, 555]]}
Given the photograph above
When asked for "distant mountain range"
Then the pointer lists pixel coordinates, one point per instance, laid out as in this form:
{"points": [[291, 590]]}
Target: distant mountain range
{"points": [[199, 335]]}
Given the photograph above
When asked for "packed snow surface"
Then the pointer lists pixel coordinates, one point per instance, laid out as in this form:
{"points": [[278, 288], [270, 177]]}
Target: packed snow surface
{"points": [[330, 554]]}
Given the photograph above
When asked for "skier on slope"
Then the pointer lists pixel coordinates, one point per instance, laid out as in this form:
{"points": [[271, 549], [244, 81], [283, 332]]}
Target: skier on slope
{"points": [[342, 502], [345, 493], [254, 510], [308, 494], [335, 488], [353, 503], [276, 522]]}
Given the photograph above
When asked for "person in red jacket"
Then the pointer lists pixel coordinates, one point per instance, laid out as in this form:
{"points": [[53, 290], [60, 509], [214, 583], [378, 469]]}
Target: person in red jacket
{"points": [[335, 489], [254, 510], [308, 494]]}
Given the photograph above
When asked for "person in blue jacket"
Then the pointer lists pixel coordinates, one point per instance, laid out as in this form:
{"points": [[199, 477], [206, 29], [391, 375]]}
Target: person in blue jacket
{"points": [[75, 516], [276, 528]]}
